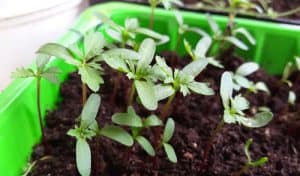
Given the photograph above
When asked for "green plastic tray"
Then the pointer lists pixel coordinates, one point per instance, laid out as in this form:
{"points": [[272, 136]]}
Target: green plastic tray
{"points": [[19, 130]]}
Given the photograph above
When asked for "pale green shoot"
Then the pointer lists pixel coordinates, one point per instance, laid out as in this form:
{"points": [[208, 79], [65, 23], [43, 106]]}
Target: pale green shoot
{"points": [[234, 106], [167, 135]]}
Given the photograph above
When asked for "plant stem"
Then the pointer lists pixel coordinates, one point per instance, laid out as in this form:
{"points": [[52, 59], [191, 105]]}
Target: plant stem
{"points": [[116, 87], [210, 144], [179, 37], [165, 111], [38, 100], [243, 170], [131, 95], [84, 92], [153, 6], [290, 12]]}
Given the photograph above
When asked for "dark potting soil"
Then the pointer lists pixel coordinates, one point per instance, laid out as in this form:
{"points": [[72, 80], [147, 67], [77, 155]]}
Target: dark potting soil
{"points": [[195, 117], [277, 5]]}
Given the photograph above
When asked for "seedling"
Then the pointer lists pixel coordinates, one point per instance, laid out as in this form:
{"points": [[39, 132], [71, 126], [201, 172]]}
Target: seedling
{"points": [[40, 72], [88, 129], [233, 112], [240, 79], [127, 35], [183, 28], [85, 58], [137, 67], [137, 124], [250, 163], [200, 51], [168, 4], [179, 81], [167, 135], [219, 37]]}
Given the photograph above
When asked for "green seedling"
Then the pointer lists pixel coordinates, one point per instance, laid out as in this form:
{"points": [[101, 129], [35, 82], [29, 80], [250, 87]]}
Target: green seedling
{"points": [[168, 4], [85, 58], [137, 124], [88, 129], [250, 163], [220, 37], [200, 51], [167, 135], [234, 106], [240, 79], [128, 33], [137, 67], [41, 71], [184, 28], [179, 81]]}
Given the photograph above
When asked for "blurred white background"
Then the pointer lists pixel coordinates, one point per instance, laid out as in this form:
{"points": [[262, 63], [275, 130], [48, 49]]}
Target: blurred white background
{"points": [[27, 24]]}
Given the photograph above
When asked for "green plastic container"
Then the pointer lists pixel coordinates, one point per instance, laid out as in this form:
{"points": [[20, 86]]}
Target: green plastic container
{"points": [[19, 129]]}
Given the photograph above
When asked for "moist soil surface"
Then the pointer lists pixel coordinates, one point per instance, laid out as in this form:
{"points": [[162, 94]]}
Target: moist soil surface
{"points": [[195, 116], [277, 5]]}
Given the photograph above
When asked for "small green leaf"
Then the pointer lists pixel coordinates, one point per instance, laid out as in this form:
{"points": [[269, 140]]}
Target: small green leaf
{"points": [[228, 117], [147, 51], [240, 103], [242, 81], [83, 157], [163, 91], [259, 120], [260, 162], [41, 61], [201, 88], [237, 42], [23, 73], [170, 152], [74, 133], [247, 68], [117, 63], [262, 87], [59, 51], [93, 43], [146, 92], [160, 39], [194, 68], [146, 145], [213, 25], [169, 130], [226, 88], [118, 134], [91, 77], [129, 119], [212, 61], [152, 121], [51, 74], [188, 49], [244, 32], [90, 110], [203, 46]]}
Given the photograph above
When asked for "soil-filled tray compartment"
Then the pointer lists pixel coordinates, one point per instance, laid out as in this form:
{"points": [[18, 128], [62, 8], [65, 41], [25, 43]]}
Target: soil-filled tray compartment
{"points": [[276, 45]]}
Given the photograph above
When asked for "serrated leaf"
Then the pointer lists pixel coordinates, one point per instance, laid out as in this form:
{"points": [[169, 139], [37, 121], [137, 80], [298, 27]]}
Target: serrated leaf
{"points": [[122, 53], [91, 77], [152, 121], [146, 145], [59, 51], [202, 47], [170, 152], [240, 103], [163, 91], [83, 157], [146, 51], [169, 130], [195, 67], [22, 73], [74, 133], [259, 120], [118, 134], [226, 88], [236, 42], [245, 33], [93, 43], [201, 88], [129, 119], [247, 68], [51, 74], [90, 110], [146, 93]]}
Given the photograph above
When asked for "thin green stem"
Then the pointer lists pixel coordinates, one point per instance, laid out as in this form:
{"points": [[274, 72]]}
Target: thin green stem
{"points": [[38, 100], [165, 111], [179, 37], [152, 16], [84, 92], [290, 12], [131, 95]]}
